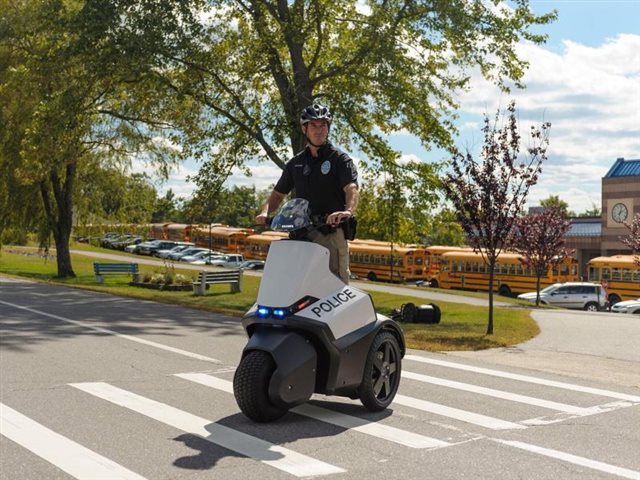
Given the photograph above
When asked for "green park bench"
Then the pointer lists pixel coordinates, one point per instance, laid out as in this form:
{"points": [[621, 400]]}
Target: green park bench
{"points": [[102, 269]]}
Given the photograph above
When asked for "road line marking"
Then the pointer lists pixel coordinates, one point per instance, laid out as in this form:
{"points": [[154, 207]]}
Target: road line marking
{"points": [[65, 454], [514, 397], [116, 334], [525, 378], [567, 457], [274, 455], [375, 429], [462, 415]]}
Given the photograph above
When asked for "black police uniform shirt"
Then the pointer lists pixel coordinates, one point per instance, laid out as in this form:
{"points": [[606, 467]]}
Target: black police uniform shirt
{"points": [[320, 180]]}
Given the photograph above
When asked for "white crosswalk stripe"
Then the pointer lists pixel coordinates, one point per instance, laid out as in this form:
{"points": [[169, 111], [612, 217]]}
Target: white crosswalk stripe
{"points": [[575, 459], [523, 378], [561, 407], [375, 429], [67, 455], [274, 455]]}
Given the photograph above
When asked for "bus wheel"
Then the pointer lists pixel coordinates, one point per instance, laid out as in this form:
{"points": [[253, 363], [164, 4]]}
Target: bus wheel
{"points": [[372, 277], [613, 299], [434, 283], [504, 290]]}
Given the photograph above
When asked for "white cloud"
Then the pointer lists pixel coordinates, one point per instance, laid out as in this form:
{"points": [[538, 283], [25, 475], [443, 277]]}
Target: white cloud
{"points": [[591, 95]]}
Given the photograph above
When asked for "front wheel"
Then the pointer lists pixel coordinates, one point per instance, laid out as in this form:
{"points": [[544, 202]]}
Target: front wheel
{"points": [[381, 373], [251, 387]]}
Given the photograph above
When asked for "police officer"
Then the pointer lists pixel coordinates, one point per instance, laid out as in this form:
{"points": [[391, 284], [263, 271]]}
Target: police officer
{"points": [[326, 177]]}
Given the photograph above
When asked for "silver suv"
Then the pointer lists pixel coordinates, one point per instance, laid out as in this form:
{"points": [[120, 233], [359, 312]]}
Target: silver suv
{"points": [[582, 295]]}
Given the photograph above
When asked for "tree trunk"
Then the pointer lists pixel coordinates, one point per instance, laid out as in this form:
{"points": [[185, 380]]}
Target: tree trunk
{"points": [[59, 214], [491, 275], [538, 289]]}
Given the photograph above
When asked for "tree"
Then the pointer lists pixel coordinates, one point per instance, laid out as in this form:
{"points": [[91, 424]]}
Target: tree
{"points": [[381, 66], [76, 86], [393, 207], [633, 239], [488, 196], [165, 208], [554, 202], [594, 211], [539, 238], [444, 229]]}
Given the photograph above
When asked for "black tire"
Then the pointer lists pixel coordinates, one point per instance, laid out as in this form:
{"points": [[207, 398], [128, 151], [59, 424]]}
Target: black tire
{"points": [[613, 299], [372, 277], [251, 387], [504, 290], [434, 283], [591, 307], [381, 373]]}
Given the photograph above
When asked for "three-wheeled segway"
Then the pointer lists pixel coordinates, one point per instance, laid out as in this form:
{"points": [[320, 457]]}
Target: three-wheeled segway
{"points": [[311, 333]]}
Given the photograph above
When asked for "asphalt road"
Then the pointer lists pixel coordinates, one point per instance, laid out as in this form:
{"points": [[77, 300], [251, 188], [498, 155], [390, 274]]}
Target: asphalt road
{"points": [[96, 386]]}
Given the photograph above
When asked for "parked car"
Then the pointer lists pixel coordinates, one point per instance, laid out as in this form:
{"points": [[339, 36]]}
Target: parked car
{"points": [[207, 258], [181, 247], [581, 295], [151, 247], [199, 256], [252, 265], [628, 306], [187, 252], [228, 261]]}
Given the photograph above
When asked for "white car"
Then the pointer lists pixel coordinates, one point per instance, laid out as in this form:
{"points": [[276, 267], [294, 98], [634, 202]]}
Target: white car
{"points": [[628, 306], [227, 261], [207, 258], [177, 249], [582, 295], [202, 255]]}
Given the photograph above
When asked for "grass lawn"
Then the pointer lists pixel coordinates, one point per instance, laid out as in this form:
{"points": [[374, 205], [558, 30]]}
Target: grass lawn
{"points": [[462, 326]]}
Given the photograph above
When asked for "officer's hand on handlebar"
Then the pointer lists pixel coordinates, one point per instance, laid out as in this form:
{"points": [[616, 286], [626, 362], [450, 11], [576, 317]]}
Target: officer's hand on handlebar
{"points": [[338, 217], [261, 219]]}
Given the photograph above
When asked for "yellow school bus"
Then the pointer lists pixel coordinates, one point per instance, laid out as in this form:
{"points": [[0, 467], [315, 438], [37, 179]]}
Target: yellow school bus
{"points": [[466, 270], [619, 275], [382, 261], [433, 258]]}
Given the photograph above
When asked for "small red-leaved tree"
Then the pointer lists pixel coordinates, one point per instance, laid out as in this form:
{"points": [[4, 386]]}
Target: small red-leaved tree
{"points": [[539, 238], [633, 239], [488, 196]]}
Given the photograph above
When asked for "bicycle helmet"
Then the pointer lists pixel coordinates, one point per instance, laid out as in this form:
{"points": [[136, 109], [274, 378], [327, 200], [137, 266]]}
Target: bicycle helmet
{"points": [[315, 112]]}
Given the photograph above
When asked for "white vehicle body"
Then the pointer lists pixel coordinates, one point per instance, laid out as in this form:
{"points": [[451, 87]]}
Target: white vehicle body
{"points": [[282, 286], [579, 295], [627, 306], [227, 261]]}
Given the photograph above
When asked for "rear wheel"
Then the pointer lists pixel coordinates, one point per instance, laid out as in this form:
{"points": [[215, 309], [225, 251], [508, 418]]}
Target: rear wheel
{"points": [[504, 290], [381, 372], [613, 299], [434, 283], [371, 276], [591, 307], [251, 387]]}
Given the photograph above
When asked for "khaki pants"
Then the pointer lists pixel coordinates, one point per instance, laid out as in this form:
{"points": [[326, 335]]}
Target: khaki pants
{"points": [[338, 251]]}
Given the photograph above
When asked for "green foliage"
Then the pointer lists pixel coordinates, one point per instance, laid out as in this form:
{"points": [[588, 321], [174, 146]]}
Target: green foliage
{"points": [[381, 66], [78, 89], [556, 203]]}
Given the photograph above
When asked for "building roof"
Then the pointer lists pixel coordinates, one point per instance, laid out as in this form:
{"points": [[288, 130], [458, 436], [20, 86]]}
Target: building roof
{"points": [[592, 228], [624, 168]]}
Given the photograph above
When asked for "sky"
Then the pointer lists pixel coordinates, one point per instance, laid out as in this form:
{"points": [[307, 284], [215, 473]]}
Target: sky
{"points": [[585, 80]]}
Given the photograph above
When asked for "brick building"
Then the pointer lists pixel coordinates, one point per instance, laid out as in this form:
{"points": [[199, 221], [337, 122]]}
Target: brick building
{"points": [[595, 236]]}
